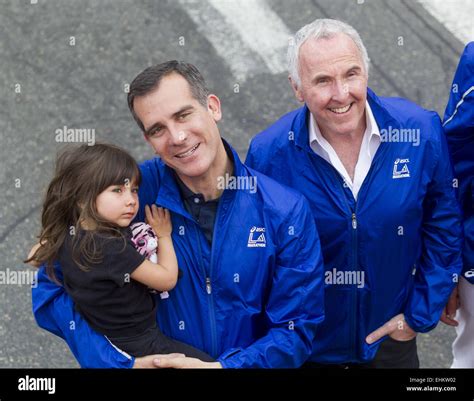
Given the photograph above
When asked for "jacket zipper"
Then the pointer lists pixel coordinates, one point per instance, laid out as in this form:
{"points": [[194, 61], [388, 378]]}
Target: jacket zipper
{"points": [[354, 291], [354, 221], [353, 297], [354, 236], [210, 302], [208, 279]]}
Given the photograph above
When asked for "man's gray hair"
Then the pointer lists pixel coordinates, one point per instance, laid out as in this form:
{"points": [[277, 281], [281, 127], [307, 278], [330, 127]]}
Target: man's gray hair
{"points": [[321, 29]]}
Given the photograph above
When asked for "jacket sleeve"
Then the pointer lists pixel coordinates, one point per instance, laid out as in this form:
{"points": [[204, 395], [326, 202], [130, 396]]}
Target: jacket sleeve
{"points": [[295, 304], [252, 159], [459, 128], [54, 311], [459, 115], [440, 263]]}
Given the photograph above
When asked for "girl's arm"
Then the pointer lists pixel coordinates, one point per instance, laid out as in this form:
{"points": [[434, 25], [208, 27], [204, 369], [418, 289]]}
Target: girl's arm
{"points": [[164, 275]]}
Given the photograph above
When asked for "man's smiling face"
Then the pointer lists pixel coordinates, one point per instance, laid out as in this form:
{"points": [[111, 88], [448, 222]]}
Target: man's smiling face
{"points": [[333, 83], [181, 130]]}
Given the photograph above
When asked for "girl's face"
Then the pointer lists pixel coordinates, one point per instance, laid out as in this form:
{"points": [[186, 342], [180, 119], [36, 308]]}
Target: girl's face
{"points": [[118, 203]]}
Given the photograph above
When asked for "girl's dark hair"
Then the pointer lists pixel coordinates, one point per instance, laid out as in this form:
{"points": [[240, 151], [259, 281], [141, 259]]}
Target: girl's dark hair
{"points": [[82, 173]]}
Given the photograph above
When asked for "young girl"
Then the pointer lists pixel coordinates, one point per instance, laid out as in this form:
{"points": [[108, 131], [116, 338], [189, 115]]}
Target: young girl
{"points": [[89, 205]]}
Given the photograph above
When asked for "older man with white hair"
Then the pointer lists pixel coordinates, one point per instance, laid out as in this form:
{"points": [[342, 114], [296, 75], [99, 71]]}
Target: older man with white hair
{"points": [[377, 174]]}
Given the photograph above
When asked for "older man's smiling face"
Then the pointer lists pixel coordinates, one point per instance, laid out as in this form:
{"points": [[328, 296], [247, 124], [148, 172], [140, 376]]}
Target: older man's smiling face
{"points": [[333, 84]]}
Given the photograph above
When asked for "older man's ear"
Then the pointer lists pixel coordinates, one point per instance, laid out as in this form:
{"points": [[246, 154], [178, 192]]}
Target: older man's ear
{"points": [[296, 90]]}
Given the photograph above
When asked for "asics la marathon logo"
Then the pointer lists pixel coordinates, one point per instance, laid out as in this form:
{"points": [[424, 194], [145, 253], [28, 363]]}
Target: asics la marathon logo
{"points": [[400, 168], [257, 238]]}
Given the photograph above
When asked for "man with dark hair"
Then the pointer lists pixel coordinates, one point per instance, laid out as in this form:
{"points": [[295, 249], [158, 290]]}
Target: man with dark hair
{"points": [[251, 291], [150, 78]]}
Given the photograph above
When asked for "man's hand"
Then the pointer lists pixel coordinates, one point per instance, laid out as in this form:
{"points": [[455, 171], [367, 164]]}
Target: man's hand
{"points": [[146, 362], [184, 363], [449, 311], [397, 328]]}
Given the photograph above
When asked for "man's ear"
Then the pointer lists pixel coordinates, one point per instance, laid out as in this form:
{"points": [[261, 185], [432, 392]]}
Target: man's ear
{"points": [[296, 90], [214, 107]]}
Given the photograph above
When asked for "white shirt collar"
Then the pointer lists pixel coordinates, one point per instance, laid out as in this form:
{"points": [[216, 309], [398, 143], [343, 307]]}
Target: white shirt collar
{"points": [[370, 143]]}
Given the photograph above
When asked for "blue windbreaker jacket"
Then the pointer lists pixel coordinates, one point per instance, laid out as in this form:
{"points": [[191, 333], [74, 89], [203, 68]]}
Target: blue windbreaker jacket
{"points": [[404, 232], [253, 299], [459, 128]]}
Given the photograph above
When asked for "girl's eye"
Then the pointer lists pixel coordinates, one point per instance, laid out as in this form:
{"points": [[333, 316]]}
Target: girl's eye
{"points": [[135, 190], [118, 190]]}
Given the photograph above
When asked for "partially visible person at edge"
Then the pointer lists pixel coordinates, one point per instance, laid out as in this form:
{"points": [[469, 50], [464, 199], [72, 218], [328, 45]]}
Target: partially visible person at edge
{"points": [[459, 128], [378, 177], [251, 292]]}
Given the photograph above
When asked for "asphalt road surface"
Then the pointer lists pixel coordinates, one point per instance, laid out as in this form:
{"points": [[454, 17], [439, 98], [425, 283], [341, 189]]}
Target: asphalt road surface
{"points": [[67, 63]]}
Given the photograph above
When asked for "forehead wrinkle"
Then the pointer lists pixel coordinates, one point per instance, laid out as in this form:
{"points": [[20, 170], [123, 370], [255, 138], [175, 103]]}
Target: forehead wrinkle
{"points": [[164, 95], [323, 52]]}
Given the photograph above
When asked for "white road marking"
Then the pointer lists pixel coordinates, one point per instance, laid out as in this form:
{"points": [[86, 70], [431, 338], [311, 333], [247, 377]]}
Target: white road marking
{"points": [[256, 43], [456, 15], [260, 28]]}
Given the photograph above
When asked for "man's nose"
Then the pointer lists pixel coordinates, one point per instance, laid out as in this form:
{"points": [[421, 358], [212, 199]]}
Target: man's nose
{"points": [[178, 135], [340, 91]]}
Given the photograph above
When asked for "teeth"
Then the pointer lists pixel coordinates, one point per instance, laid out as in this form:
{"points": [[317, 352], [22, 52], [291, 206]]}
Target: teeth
{"points": [[189, 152], [341, 109]]}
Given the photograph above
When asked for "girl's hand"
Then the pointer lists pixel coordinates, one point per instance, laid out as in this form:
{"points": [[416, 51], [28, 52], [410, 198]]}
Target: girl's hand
{"points": [[160, 220]]}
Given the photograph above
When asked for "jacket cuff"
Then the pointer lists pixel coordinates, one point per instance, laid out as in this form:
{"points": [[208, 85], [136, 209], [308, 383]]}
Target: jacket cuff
{"points": [[419, 327]]}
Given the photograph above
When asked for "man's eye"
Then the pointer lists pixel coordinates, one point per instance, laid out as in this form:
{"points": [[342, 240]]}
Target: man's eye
{"points": [[183, 116], [155, 131]]}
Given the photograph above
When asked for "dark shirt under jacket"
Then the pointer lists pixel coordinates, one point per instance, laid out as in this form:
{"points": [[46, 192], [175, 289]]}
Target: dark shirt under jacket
{"points": [[204, 212]]}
